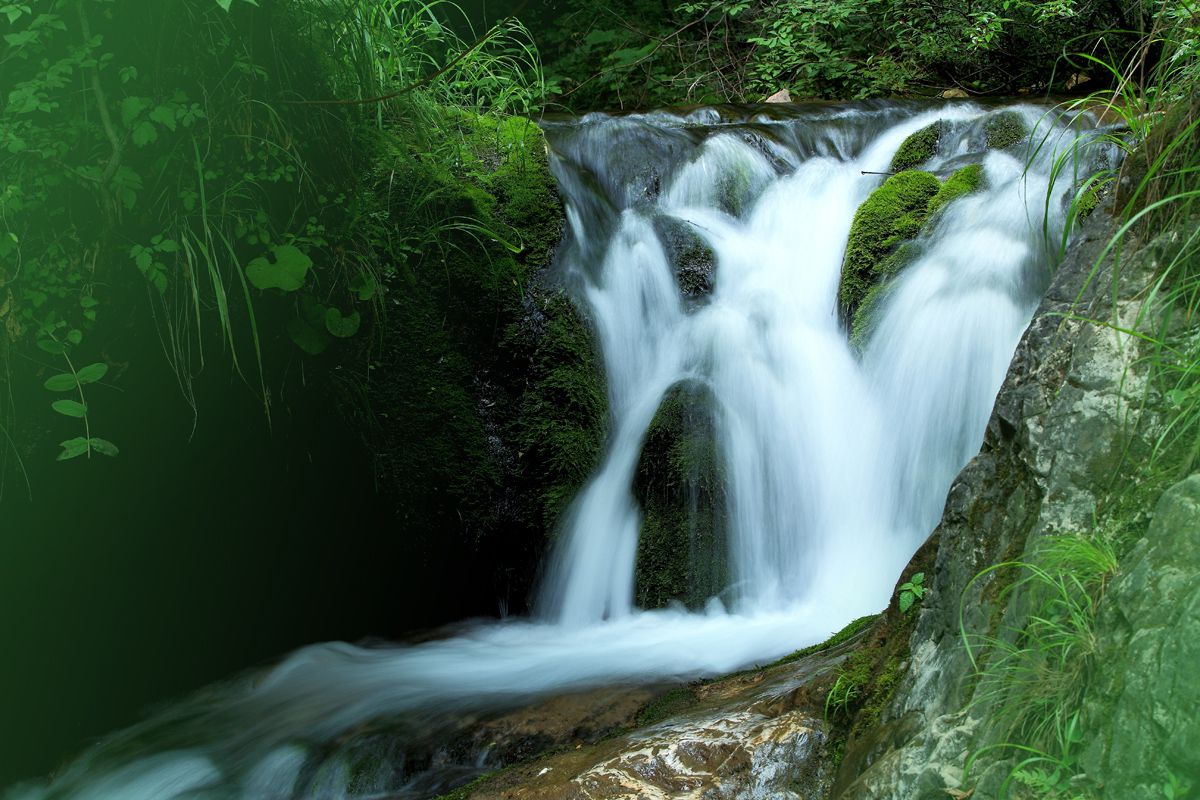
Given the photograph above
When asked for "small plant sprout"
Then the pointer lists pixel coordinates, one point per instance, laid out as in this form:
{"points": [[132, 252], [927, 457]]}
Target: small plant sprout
{"points": [[912, 591]]}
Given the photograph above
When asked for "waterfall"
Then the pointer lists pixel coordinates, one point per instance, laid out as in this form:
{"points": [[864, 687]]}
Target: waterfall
{"points": [[838, 461]]}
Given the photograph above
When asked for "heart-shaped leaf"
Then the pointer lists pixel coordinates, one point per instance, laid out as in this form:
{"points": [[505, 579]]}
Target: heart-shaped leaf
{"points": [[50, 346], [341, 326], [71, 408], [287, 272], [309, 339], [91, 373], [363, 285], [63, 382]]}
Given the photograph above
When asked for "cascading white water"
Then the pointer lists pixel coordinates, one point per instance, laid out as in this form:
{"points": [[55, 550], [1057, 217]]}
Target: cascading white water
{"points": [[838, 464]]}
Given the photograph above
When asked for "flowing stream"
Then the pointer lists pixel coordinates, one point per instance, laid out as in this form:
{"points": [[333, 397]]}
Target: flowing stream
{"points": [[838, 462]]}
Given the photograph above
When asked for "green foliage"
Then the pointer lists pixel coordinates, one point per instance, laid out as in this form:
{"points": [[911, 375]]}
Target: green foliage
{"points": [[1033, 678], [636, 53], [214, 145], [912, 591]]}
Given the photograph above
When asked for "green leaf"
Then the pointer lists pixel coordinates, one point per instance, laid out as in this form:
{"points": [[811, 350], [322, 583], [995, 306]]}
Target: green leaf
{"points": [[75, 336], [63, 382], [51, 346], [73, 447], [341, 326], [918, 579], [287, 273], [91, 373], [363, 285], [71, 408], [309, 339], [103, 446], [88, 302], [224, 4], [906, 601], [164, 115], [144, 133], [130, 108]]}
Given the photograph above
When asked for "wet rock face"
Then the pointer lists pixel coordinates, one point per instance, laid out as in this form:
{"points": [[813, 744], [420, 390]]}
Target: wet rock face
{"points": [[1148, 693], [1058, 433]]}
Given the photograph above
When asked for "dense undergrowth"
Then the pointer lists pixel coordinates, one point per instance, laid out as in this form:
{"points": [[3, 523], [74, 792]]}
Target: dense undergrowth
{"points": [[634, 53], [201, 171]]}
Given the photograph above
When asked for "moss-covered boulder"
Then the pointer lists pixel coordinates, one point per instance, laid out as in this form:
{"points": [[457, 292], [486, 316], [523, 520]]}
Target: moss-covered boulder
{"points": [[918, 148], [680, 485], [892, 214], [1004, 130], [880, 243]]}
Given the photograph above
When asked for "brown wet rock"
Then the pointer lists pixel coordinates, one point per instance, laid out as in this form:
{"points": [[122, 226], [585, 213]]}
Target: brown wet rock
{"points": [[756, 734]]}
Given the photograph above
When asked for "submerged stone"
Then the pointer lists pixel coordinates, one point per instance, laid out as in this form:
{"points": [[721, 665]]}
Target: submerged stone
{"points": [[680, 485]]}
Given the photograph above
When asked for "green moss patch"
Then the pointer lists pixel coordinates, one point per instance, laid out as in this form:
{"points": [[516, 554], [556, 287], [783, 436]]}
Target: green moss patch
{"points": [[680, 485], [892, 214], [1005, 129], [918, 148], [963, 181]]}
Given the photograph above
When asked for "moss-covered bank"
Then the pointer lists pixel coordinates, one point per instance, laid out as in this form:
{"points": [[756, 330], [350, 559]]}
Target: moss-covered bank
{"points": [[482, 396], [680, 485]]}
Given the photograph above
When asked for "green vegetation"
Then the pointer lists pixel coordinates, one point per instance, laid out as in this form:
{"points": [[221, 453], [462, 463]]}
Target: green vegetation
{"points": [[912, 591], [213, 160], [880, 244], [680, 484], [638, 53], [918, 148]]}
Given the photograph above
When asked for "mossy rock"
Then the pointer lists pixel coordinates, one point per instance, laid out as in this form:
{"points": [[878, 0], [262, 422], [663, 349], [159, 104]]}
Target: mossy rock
{"points": [[962, 182], [918, 148], [485, 407], [680, 485], [693, 261], [1004, 130], [866, 318], [893, 213], [564, 411], [694, 270]]}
